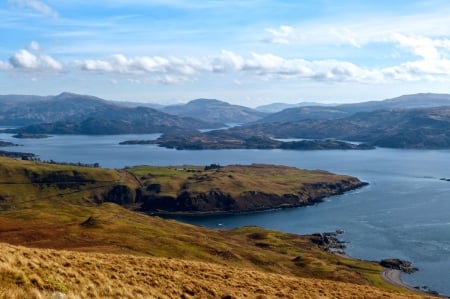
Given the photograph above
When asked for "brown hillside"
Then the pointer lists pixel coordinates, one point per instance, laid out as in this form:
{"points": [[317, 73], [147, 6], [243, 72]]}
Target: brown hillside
{"points": [[44, 273]]}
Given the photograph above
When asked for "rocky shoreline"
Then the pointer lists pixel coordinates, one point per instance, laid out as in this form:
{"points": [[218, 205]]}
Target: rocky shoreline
{"points": [[217, 203], [393, 267]]}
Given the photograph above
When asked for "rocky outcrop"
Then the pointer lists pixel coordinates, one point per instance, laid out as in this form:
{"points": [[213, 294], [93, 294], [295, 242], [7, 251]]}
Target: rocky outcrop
{"points": [[329, 241], [121, 194], [397, 264]]}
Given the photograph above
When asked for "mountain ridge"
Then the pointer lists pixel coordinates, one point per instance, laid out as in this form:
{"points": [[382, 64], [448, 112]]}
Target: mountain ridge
{"points": [[214, 110]]}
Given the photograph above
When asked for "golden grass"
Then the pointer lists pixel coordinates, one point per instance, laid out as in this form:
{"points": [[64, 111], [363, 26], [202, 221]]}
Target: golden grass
{"points": [[45, 273], [234, 180]]}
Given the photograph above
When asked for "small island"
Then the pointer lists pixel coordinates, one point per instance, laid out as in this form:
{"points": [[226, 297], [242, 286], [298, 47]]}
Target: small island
{"points": [[222, 139], [23, 135], [7, 143], [214, 189]]}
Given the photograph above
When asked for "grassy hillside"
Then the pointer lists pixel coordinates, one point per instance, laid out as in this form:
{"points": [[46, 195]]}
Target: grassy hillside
{"points": [[44, 273], [235, 188], [60, 207]]}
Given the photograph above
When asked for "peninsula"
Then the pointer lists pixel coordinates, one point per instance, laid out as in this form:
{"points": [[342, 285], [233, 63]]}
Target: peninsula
{"points": [[234, 189]]}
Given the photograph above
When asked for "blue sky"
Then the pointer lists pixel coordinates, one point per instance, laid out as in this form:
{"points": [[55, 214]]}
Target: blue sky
{"points": [[245, 52]]}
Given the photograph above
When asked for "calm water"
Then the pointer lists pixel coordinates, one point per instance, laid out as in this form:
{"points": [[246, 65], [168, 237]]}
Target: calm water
{"points": [[404, 212]]}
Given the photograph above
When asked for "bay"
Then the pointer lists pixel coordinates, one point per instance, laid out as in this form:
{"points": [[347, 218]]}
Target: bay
{"points": [[403, 213]]}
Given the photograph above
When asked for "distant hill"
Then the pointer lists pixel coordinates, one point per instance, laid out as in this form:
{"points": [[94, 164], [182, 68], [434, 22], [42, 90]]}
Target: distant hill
{"points": [[69, 113], [25, 110], [396, 128], [215, 111], [422, 100], [302, 113], [277, 107]]}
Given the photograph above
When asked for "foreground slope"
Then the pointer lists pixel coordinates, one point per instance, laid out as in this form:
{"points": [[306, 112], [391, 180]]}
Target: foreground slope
{"points": [[44, 273], [64, 207]]}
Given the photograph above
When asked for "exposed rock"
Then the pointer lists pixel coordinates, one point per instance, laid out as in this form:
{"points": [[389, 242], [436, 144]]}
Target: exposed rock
{"points": [[397, 264], [329, 241], [121, 194], [90, 222]]}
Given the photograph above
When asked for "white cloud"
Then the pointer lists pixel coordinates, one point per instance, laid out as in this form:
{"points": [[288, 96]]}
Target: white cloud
{"points": [[282, 35], [26, 60], [35, 46], [360, 30], [171, 80], [267, 66], [425, 47], [35, 5], [119, 63]]}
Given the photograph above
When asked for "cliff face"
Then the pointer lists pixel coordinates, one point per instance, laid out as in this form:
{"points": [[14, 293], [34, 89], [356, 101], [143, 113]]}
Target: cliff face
{"points": [[209, 193]]}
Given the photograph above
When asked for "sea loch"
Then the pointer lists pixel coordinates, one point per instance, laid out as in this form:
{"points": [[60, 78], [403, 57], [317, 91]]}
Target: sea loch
{"points": [[403, 213]]}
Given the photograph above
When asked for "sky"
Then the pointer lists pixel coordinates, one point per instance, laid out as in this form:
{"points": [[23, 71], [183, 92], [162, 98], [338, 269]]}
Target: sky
{"points": [[248, 52]]}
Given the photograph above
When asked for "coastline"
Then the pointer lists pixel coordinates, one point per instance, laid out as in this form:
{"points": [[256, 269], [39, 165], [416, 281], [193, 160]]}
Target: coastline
{"points": [[309, 202], [393, 277]]}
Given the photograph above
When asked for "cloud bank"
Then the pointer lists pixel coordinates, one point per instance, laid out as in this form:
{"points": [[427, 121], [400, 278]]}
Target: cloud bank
{"points": [[429, 63]]}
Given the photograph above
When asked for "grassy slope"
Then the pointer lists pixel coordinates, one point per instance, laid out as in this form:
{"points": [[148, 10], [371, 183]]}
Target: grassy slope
{"points": [[51, 215], [268, 179], [41, 273]]}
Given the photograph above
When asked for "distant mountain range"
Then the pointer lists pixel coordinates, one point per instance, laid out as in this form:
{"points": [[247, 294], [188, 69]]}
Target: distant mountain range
{"points": [[395, 128], [215, 111], [423, 100], [410, 121], [277, 107], [69, 113]]}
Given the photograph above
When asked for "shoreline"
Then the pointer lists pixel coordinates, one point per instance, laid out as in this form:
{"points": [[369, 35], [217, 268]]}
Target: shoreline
{"points": [[393, 277], [308, 203]]}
